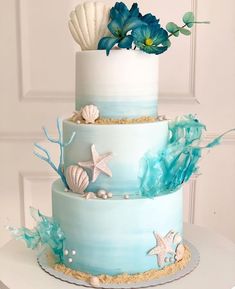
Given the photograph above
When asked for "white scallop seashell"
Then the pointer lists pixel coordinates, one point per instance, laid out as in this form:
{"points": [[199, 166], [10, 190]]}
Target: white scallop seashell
{"points": [[77, 116], [179, 252], [177, 238], [77, 179], [90, 113], [94, 281], [88, 24]]}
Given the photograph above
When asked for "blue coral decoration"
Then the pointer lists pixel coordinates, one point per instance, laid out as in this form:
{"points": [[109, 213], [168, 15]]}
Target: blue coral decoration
{"points": [[47, 232], [166, 171], [59, 169]]}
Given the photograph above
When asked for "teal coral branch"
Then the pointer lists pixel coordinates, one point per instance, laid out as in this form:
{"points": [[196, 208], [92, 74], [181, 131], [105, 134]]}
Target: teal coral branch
{"points": [[47, 158]]}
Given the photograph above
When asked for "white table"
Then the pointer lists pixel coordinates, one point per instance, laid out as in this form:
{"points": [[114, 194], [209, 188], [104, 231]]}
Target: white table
{"points": [[19, 269]]}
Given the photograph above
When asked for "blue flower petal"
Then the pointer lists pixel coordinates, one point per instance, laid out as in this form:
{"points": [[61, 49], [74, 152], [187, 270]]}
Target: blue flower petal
{"points": [[119, 11], [131, 24], [126, 42], [150, 19], [107, 43], [159, 35], [115, 27], [134, 12], [141, 33], [154, 49]]}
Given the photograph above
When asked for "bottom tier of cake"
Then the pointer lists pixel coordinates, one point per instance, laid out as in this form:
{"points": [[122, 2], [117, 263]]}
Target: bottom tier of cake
{"points": [[116, 236]]}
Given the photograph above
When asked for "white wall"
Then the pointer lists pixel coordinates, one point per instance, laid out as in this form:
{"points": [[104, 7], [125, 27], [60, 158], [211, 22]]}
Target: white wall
{"points": [[37, 85]]}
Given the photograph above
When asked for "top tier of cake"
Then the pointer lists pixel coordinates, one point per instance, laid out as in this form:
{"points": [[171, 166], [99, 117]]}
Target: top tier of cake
{"points": [[122, 85]]}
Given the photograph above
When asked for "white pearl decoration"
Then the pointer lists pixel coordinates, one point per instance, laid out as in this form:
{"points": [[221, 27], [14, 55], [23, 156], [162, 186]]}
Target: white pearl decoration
{"points": [[101, 193], [105, 197], [171, 259], [70, 260], [166, 259], [109, 195], [74, 252], [66, 252], [126, 196]]}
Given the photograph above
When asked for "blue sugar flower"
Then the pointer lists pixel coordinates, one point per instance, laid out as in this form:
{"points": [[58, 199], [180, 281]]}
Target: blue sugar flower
{"points": [[122, 22], [149, 19], [151, 38]]}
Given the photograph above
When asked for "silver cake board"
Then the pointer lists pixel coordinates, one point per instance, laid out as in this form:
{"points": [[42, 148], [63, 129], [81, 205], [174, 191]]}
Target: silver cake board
{"points": [[192, 264]]}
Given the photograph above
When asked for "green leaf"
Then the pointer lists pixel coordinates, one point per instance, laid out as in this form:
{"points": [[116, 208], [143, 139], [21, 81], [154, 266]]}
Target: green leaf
{"points": [[173, 28], [184, 31], [189, 19]]}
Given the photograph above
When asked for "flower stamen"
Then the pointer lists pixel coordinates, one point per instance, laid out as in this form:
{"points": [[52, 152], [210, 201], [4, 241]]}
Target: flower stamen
{"points": [[149, 41]]}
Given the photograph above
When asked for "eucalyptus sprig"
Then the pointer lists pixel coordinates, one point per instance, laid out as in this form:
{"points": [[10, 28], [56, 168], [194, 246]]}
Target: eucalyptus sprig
{"points": [[188, 20]]}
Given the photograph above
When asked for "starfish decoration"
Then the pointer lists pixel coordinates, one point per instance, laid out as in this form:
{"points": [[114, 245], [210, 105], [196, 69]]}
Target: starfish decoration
{"points": [[162, 249], [98, 164]]}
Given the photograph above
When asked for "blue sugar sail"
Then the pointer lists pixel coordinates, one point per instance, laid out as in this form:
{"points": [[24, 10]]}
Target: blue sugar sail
{"points": [[166, 171], [46, 233]]}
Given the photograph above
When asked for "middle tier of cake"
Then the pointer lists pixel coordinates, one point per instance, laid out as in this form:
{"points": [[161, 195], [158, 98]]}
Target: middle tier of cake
{"points": [[128, 144]]}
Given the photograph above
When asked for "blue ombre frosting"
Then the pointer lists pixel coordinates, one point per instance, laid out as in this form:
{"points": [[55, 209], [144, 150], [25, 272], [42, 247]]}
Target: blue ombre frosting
{"points": [[123, 85], [121, 109], [128, 143], [114, 236]]}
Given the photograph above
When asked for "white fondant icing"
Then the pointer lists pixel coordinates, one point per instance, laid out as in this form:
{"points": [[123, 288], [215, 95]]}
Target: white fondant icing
{"points": [[122, 85]]}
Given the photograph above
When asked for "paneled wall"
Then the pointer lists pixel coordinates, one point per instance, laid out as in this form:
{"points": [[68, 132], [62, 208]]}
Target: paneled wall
{"points": [[37, 85]]}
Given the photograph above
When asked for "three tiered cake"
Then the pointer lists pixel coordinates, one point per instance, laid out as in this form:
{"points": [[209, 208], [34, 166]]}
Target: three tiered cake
{"points": [[117, 207]]}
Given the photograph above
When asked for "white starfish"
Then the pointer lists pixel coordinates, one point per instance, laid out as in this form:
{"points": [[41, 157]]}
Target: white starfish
{"points": [[162, 249], [98, 164]]}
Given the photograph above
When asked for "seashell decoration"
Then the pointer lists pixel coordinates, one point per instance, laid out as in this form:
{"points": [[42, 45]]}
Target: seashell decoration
{"points": [[94, 281], [88, 24], [77, 116], [177, 238], [90, 113], [77, 179], [179, 252]]}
